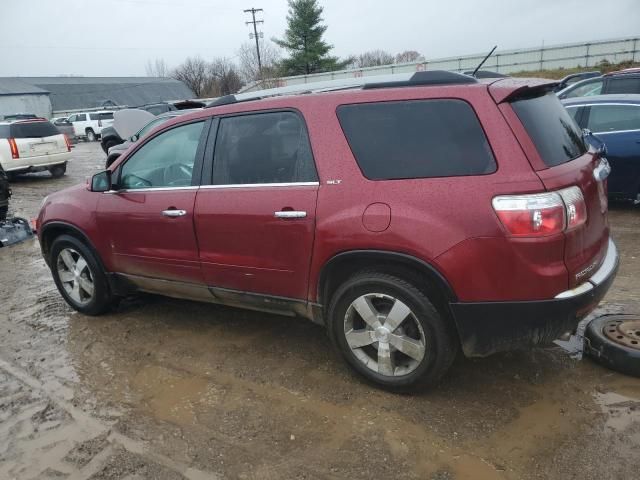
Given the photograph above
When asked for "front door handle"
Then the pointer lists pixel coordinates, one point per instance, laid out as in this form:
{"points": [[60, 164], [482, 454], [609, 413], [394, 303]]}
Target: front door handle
{"points": [[173, 213], [287, 214]]}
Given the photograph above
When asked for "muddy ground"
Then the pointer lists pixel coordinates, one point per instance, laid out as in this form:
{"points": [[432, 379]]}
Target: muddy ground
{"points": [[169, 389]]}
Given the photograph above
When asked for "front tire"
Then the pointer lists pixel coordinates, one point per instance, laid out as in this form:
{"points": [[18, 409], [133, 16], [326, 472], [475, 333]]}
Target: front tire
{"points": [[79, 277], [390, 333]]}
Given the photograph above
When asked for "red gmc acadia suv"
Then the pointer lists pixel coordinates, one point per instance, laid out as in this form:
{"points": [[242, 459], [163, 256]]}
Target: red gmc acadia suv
{"points": [[412, 218]]}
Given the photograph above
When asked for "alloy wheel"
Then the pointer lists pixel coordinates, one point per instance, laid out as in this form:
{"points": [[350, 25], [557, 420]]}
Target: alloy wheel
{"points": [[75, 276], [384, 334]]}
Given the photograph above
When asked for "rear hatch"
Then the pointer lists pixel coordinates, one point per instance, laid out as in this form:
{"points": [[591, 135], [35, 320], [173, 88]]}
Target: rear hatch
{"points": [[556, 149], [37, 138]]}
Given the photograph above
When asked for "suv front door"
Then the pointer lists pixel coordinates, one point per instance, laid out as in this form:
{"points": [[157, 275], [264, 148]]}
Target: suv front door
{"points": [[255, 224], [148, 219]]}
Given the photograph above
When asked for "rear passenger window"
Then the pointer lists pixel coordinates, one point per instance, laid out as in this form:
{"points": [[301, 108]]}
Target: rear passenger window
{"points": [[416, 139], [612, 118], [261, 149], [94, 116], [624, 85]]}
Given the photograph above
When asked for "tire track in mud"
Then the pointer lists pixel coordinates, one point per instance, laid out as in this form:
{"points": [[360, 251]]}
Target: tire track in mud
{"points": [[48, 437]]}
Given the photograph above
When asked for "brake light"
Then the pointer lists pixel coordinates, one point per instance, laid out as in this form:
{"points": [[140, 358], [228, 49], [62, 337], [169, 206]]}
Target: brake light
{"points": [[14, 148], [68, 142], [541, 214], [99, 123]]}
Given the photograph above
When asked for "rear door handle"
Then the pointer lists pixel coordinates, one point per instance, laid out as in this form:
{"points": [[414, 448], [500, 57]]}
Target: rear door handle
{"points": [[174, 213], [287, 214]]}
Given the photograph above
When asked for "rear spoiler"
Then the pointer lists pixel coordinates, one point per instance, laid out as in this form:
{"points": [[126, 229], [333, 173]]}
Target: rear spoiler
{"points": [[512, 89]]}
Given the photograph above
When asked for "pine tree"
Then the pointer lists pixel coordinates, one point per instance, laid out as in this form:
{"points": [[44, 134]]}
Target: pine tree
{"points": [[308, 52]]}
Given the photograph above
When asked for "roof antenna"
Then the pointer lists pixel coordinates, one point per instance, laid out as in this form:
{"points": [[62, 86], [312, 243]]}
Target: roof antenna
{"points": [[484, 60]]}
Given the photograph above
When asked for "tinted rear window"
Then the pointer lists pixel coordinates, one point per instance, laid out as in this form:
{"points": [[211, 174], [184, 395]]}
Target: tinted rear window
{"points": [[416, 139], [4, 131], [555, 134], [33, 130], [624, 85]]}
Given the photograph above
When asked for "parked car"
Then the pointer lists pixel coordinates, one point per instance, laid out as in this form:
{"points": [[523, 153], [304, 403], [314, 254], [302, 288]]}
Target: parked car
{"points": [[115, 151], [413, 219], [165, 107], [33, 145], [19, 116], [615, 120], [65, 127], [575, 78], [89, 125], [623, 81]]}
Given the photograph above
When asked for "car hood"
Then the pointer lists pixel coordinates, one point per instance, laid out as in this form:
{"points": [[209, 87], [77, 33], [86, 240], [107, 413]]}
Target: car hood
{"points": [[129, 121]]}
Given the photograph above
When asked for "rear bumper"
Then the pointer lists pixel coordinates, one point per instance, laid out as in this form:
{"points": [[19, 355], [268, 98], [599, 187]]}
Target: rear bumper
{"points": [[35, 164], [490, 327]]}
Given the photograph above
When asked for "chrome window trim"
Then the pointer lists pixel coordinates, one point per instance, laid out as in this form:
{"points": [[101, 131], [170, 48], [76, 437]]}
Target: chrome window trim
{"points": [[152, 189], [261, 185]]}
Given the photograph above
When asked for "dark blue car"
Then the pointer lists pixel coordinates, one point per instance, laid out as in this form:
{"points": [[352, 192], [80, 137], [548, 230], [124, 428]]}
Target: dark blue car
{"points": [[614, 120]]}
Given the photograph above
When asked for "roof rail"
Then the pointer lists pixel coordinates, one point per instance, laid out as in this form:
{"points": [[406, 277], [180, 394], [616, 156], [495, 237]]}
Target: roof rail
{"points": [[432, 77]]}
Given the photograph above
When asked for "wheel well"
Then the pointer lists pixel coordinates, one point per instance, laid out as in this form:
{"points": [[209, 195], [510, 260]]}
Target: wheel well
{"points": [[54, 231], [88, 130], [419, 273]]}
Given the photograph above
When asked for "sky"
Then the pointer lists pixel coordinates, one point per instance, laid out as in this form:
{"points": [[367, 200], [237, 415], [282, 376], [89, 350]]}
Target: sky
{"points": [[119, 37]]}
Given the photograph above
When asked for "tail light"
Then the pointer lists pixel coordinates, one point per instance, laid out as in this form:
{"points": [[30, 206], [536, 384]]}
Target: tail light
{"points": [[99, 123], [541, 214], [68, 142], [14, 148]]}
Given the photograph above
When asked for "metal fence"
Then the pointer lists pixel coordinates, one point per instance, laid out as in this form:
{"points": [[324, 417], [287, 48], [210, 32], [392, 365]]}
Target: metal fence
{"points": [[505, 61]]}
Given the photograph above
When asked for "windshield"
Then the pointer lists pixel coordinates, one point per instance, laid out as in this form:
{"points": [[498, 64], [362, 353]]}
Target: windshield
{"points": [[554, 132], [151, 125]]}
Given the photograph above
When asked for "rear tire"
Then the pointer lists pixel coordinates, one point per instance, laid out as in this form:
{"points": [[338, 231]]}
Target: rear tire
{"points": [[401, 319], [58, 171], [91, 136], [79, 276]]}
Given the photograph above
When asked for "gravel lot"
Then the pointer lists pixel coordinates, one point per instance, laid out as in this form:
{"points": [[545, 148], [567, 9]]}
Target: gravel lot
{"points": [[169, 389]]}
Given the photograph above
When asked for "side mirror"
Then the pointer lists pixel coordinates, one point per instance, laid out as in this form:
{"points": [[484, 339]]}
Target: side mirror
{"points": [[101, 182]]}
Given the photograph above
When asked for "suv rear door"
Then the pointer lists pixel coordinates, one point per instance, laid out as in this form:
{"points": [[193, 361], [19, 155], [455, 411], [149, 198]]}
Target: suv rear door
{"points": [[255, 223], [554, 144]]}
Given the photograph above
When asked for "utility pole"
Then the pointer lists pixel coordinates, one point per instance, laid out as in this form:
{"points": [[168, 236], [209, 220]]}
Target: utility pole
{"points": [[255, 23]]}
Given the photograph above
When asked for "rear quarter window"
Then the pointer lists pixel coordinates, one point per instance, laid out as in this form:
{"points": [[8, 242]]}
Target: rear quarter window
{"points": [[416, 139], [33, 130], [553, 131], [4, 131]]}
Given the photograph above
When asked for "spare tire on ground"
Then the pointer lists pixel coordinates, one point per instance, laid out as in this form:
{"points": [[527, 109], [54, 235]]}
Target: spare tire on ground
{"points": [[614, 341]]}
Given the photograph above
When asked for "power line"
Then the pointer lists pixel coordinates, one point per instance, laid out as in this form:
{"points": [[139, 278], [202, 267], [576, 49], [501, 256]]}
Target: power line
{"points": [[255, 23]]}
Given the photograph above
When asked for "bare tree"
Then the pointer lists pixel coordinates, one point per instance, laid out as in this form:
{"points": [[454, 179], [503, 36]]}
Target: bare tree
{"points": [[193, 72], [409, 56], [225, 79], [374, 58], [248, 61], [157, 68]]}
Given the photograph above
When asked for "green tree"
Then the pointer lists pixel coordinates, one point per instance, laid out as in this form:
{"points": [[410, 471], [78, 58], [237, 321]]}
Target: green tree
{"points": [[308, 53]]}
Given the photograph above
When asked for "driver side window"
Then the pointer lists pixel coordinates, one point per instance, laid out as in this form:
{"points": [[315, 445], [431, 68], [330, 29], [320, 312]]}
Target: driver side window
{"points": [[165, 161]]}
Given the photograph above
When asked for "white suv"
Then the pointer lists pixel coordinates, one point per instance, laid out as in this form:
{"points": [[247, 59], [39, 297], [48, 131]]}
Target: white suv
{"points": [[33, 145], [90, 124]]}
